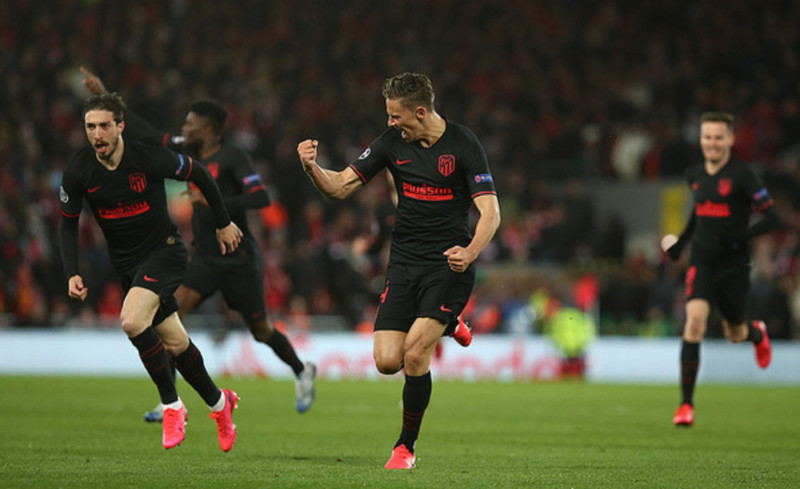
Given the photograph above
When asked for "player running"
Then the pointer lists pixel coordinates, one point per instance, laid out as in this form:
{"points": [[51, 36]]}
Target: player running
{"points": [[123, 183], [440, 170], [724, 192], [239, 276]]}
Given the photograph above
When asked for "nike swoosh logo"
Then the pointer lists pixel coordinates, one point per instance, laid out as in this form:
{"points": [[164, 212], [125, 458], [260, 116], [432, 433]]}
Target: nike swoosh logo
{"points": [[442, 308], [402, 162], [93, 189], [150, 279]]}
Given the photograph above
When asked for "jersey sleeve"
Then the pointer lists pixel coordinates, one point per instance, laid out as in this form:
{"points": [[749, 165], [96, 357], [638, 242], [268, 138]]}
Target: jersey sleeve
{"points": [[254, 193], [756, 191], [476, 166], [177, 166], [372, 160], [70, 195]]}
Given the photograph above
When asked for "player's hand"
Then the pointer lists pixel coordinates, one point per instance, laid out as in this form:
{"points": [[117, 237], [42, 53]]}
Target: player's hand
{"points": [[459, 258], [76, 289], [229, 238], [307, 151], [670, 247], [92, 82]]}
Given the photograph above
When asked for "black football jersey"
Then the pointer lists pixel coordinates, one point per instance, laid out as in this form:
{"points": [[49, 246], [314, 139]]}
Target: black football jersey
{"points": [[723, 204], [129, 203], [435, 187], [235, 176]]}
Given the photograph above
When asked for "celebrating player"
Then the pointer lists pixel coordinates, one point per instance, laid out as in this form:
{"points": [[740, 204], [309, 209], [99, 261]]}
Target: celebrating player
{"points": [[238, 275], [440, 169], [123, 183], [724, 191]]}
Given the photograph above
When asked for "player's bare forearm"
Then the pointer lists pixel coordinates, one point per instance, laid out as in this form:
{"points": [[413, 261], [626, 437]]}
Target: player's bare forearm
{"points": [[459, 258], [332, 184], [488, 223], [92, 82]]}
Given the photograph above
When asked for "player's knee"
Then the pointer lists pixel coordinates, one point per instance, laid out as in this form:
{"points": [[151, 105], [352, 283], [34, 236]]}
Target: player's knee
{"points": [[176, 346], [387, 366], [694, 329], [414, 358], [262, 331], [131, 325], [736, 334]]}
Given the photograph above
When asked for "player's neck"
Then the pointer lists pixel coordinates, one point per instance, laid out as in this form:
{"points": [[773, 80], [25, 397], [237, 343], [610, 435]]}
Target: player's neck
{"points": [[433, 131], [712, 168], [209, 148]]}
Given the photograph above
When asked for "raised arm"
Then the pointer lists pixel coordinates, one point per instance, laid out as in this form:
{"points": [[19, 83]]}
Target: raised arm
{"points": [[332, 184]]}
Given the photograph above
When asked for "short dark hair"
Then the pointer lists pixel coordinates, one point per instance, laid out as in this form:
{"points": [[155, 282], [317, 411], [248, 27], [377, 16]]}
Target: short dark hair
{"points": [[111, 102], [413, 90], [211, 110], [718, 116]]}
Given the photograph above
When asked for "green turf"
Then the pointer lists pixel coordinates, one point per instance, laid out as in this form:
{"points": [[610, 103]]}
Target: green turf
{"points": [[89, 433]]}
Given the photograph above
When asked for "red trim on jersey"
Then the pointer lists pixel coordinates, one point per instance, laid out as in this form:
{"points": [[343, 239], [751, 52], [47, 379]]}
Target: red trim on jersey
{"points": [[764, 206], [69, 215], [358, 173], [256, 189], [485, 192], [191, 167], [165, 139]]}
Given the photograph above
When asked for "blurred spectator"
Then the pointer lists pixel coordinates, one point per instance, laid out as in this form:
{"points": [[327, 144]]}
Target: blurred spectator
{"points": [[556, 90]]}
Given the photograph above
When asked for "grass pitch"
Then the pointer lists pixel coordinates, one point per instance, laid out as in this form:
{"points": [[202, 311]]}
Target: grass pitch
{"points": [[88, 432]]}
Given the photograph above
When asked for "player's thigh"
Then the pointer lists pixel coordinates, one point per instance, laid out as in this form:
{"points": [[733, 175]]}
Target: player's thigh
{"points": [[697, 312], [397, 308], [201, 275], [161, 272], [138, 309], [242, 286], [388, 350], [732, 289], [188, 299], [443, 293], [699, 282], [420, 344]]}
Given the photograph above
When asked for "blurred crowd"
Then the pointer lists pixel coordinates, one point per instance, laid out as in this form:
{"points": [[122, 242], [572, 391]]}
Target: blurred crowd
{"points": [[561, 93]]}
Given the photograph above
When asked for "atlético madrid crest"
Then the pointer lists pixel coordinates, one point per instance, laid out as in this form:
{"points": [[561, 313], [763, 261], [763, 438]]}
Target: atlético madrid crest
{"points": [[138, 182], [447, 164], [724, 186]]}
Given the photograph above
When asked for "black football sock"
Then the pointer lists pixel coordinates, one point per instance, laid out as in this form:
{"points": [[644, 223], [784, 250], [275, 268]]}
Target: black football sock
{"points": [[690, 364], [754, 334], [190, 365], [156, 361], [281, 346], [416, 395]]}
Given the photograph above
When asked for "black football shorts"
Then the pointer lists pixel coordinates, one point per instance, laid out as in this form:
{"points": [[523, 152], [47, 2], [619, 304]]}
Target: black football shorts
{"points": [[239, 278], [161, 271], [725, 287], [414, 291]]}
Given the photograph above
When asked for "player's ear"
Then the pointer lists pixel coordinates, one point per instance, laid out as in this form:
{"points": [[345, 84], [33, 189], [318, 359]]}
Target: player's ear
{"points": [[421, 112], [121, 126]]}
